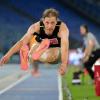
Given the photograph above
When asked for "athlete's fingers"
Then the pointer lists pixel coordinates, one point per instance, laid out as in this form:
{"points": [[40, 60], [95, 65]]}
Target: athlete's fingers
{"points": [[3, 60], [61, 70]]}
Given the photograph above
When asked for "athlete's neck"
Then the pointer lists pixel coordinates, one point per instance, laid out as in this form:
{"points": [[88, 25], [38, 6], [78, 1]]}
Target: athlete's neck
{"points": [[48, 32]]}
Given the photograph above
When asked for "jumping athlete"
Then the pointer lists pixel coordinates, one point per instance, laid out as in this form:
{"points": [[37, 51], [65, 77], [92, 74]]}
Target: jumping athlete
{"points": [[51, 41]]}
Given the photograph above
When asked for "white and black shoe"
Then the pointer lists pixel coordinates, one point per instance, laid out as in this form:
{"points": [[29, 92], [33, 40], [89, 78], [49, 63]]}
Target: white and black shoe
{"points": [[76, 79]]}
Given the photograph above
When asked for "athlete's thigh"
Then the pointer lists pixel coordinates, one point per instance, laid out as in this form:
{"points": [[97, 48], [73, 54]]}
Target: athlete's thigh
{"points": [[34, 47], [50, 55], [32, 50]]}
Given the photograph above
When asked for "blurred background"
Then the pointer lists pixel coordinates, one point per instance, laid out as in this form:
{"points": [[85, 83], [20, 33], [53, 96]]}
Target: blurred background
{"points": [[17, 15]]}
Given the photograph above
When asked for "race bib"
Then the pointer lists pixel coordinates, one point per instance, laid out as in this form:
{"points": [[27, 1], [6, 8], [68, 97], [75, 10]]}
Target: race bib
{"points": [[54, 41]]}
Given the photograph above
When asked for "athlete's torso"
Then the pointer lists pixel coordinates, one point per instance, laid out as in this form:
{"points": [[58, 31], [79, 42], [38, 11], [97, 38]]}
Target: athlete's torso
{"points": [[54, 39]]}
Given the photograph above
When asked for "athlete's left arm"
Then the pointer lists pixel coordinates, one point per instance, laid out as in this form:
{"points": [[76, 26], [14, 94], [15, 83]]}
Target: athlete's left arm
{"points": [[64, 35]]}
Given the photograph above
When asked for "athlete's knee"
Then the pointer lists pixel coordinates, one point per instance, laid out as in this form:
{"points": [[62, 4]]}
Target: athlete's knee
{"points": [[35, 56]]}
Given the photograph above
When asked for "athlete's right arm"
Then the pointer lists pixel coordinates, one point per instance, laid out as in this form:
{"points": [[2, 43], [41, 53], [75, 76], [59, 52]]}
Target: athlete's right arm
{"points": [[24, 40]]}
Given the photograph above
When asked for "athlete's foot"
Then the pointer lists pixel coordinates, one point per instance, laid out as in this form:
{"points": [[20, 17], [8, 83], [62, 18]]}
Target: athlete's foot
{"points": [[35, 73]]}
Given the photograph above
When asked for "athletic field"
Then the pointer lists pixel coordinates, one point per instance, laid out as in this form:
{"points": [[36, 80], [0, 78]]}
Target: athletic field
{"points": [[85, 91], [16, 84]]}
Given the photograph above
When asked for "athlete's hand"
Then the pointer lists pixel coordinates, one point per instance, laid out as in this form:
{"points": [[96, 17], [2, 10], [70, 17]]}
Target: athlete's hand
{"points": [[62, 69], [4, 60]]}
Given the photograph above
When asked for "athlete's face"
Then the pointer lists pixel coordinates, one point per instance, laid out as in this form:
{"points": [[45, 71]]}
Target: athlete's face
{"points": [[49, 23]]}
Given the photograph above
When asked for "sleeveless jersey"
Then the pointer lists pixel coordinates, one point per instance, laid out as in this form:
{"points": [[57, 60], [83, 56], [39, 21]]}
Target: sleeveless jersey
{"points": [[54, 39]]}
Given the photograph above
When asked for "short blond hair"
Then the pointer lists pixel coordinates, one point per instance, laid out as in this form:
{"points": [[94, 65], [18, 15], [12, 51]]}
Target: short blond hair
{"points": [[50, 12]]}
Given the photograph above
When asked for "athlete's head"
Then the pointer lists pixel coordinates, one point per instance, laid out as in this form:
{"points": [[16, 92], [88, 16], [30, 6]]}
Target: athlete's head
{"points": [[50, 17]]}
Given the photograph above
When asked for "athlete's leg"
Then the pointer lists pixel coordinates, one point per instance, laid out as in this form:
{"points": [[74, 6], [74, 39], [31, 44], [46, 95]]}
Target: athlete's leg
{"points": [[35, 53], [44, 45], [24, 57], [51, 55], [33, 64], [35, 69], [32, 50]]}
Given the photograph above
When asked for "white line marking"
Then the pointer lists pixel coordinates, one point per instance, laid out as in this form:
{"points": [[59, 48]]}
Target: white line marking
{"points": [[60, 87], [14, 84]]}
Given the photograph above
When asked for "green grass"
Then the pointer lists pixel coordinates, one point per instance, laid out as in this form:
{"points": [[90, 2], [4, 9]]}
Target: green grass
{"points": [[84, 91]]}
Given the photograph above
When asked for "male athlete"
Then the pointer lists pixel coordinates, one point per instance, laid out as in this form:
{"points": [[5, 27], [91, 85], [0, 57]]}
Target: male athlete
{"points": [[52, 41]]}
